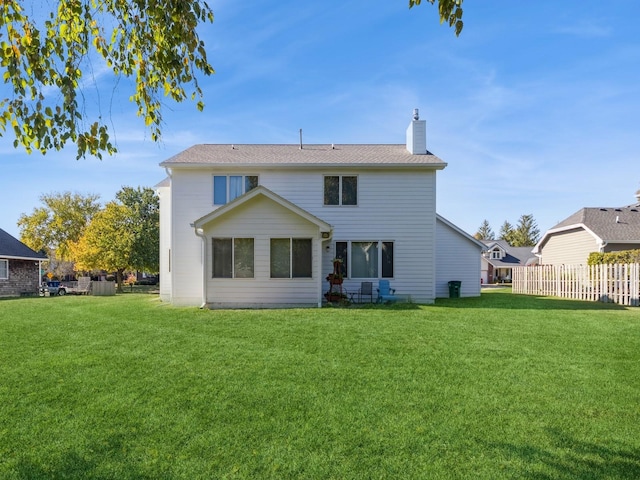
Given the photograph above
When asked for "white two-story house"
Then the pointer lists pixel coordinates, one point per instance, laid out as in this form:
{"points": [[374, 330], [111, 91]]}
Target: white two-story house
{"points": [[253, 226]]}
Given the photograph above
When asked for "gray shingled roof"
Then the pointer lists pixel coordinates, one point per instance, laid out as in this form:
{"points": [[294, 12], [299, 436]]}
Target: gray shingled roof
{"points": [[613, 225], [11, 247], [515, 256], [308, 156]]}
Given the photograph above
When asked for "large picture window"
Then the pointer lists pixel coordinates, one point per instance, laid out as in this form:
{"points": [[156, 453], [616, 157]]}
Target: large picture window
{"points": [[340, 190], [229, 187], [291, 258], [370, 259], [233, 257], [4, 269]]}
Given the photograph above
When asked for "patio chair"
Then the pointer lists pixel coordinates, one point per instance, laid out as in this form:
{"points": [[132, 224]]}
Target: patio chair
{"points": [[366, 289], [386, 293]]}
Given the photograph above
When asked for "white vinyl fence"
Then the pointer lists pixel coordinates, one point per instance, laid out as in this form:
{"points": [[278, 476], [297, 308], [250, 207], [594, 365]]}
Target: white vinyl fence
{"points": [[602, 283]]}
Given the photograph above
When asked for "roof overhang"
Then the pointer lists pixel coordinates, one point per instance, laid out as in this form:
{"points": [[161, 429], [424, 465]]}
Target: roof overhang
{"points": [[471, 238], [14, 257]]}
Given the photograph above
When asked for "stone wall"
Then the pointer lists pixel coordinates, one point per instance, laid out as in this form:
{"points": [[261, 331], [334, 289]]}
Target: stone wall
{"points": [[23, 278]]}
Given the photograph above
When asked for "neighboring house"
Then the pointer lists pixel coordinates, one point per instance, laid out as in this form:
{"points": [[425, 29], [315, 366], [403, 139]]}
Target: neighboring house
{"points": [[499, 258], [589, 230], [259, 225], [19, 267]]}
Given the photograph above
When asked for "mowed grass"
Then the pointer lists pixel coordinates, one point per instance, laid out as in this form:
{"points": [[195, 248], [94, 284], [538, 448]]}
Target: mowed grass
{"points": [[501, 386]]}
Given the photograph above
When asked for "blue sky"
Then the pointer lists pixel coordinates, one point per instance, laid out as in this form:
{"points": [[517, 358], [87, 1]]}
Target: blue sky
{"points": [[535, 107]]}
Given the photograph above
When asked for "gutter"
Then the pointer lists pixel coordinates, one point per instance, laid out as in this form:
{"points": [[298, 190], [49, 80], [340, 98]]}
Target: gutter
{"points": [[200, 233]]}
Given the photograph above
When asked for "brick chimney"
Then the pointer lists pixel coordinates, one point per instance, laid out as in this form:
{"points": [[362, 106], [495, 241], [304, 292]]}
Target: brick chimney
{"points": [[417, 135]]}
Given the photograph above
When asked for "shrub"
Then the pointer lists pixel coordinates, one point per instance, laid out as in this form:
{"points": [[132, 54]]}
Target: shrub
{"points": [[623, 256]]}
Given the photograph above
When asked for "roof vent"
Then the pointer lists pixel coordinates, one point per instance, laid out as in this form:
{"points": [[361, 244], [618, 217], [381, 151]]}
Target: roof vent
{"points": [[603, 209], [617, 218], [618, 210]]}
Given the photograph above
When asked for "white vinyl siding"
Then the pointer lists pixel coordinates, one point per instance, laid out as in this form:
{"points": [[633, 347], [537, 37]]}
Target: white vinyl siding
{"points": [[393, 204], [458, 259], [264, 220], [571, 247], [396, 205]]}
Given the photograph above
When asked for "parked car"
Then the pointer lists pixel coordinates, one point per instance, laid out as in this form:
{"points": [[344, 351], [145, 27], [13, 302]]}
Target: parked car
{"points": [[52, 288]]}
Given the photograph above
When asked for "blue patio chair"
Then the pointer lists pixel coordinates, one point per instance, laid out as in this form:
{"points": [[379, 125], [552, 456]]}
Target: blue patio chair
{"points": [[386, 293]]}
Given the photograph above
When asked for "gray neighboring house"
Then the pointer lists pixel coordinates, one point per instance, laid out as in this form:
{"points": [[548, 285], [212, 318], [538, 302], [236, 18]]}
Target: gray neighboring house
{"points": [[598, 229], [19, 267], [500, 258]]}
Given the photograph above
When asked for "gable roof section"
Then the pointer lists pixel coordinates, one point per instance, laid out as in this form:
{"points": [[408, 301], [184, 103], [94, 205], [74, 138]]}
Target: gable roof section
{"points": [[461, 232], [514, 256], [264, 192], [292, 156], [606, 225], [11, 247]]}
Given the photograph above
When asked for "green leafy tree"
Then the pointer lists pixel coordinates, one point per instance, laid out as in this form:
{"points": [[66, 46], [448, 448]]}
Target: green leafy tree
{"points": [[107, 243], [46, 54], [507, 232], [485, 232], [59, 222], [450, 11], [526, 233], [144, 206]]}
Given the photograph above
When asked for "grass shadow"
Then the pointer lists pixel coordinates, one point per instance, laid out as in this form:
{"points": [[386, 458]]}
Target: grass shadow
{"points": [[504, 299], [569, 458]]}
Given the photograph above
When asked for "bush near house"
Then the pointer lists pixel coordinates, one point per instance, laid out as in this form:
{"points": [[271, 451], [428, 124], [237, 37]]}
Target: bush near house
{"points": [[621, 257]]}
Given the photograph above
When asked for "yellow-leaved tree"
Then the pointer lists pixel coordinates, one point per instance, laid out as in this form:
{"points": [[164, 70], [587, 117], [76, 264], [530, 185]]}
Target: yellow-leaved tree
{"points": [[107, 243]]}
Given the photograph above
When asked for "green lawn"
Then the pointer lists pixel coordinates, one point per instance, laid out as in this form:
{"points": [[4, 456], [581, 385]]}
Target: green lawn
{"points": [[503, 386]]}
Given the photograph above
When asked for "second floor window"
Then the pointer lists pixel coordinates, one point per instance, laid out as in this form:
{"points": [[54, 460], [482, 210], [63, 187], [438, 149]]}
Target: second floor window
{"points": [[228, 187], [340, 190]]}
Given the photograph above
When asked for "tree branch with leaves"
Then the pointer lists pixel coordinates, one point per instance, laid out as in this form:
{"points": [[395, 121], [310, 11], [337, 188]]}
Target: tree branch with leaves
{"points": [[45, 54]]}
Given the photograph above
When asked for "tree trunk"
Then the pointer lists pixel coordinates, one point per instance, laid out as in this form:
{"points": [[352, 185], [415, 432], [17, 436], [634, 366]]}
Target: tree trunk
{"points": [[119, 280]]}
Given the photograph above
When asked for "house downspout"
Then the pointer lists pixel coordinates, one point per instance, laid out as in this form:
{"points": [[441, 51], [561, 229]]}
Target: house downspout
{"points": [[200, 233]]}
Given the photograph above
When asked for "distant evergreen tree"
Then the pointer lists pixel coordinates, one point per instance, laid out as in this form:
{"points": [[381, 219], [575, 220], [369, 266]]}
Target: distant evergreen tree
{"points": [[485, 232], [526, 233], [507, 233]]}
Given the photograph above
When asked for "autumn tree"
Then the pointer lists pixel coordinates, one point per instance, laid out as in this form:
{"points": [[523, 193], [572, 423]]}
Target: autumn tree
{"points": [[485, 232], [48, 53], [450, 11], [144, 206], [107, 243], [59, 222]]}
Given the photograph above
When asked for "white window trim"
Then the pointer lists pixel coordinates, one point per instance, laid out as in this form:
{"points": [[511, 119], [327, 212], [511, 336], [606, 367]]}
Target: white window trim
{"points": [[233, 259], [6, 262], [379, 247], [227, 176], [340, 190], [291, 277]]}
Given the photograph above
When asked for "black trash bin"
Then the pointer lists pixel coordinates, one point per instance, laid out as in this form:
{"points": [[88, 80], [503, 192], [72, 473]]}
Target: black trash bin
{"points": [[454, 288]]}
